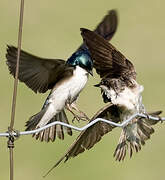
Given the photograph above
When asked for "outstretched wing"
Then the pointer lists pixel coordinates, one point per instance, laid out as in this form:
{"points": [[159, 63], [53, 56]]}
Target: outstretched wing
{"points": [[41, 74], [89, 137], [108, 61], [107, 27], [37, 73]]}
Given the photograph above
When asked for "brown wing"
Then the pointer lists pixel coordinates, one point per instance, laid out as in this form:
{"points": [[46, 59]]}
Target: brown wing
{"points": [[107, 27], [108, 61], [88, 138], [37, 73]]}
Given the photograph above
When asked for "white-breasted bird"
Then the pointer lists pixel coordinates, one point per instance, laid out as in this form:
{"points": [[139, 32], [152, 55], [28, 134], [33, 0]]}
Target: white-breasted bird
{"points": [[121, 91], [66, 79]]}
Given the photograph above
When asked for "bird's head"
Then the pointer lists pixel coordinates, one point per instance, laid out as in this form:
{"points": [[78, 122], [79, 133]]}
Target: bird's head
{"points": [[83, 59]]}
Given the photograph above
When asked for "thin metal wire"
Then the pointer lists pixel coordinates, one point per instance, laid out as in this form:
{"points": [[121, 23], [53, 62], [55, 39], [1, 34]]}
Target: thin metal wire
{"points": [[121, 125], [17, 65], [11, 164], [11, 139]]}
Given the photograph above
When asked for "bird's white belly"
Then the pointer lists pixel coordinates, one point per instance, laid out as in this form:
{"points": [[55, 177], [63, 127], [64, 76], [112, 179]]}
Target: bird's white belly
{"points": [[64, 92], [128, 98], [69, 90]]}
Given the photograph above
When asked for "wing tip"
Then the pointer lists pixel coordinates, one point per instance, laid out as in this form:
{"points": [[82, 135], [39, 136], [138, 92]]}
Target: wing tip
{"points": [[54, 166], [113, 12], [83, 30]]}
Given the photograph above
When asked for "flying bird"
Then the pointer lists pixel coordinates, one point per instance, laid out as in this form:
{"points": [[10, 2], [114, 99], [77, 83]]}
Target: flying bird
{"points": [[122, 92], [120, 88], [65, 79]]}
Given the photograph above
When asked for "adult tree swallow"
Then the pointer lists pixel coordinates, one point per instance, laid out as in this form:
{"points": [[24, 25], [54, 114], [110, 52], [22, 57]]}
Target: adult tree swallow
{"points": [[120, 88], [66, 79]]}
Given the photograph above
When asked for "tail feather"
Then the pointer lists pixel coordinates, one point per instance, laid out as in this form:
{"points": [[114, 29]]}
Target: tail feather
{"points": [[124, 144], [120, 151], [50, 133], [33, 121], [65, 120], [142, 136], [145, 129], [155, 114], [60, 132], [141, 130]]}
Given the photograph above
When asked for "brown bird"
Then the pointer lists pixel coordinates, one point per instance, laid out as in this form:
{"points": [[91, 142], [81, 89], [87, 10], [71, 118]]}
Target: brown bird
{"points": [[66, 79], [120, 88]]}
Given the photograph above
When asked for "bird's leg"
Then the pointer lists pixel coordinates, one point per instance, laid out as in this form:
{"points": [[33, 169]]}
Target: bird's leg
{"points": [[83, 116], [71, 107]]}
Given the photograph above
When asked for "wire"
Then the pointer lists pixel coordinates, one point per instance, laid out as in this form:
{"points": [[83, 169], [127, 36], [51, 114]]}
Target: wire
{"points": [[17, 65], [121, 125], [10, 129]]}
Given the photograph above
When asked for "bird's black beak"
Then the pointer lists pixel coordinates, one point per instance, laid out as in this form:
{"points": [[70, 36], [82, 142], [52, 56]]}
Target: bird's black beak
{"points": [[90, 72], [97, 85]]}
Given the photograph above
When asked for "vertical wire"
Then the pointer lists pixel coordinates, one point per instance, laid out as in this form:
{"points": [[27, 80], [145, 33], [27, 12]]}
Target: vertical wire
{"points": [[17, 65], [11, 161], [11, 140]]}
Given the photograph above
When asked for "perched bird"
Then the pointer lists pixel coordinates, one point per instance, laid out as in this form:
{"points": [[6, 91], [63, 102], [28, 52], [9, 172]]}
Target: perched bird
{"points": [[66, 79], [122, 92], [120, 88]]}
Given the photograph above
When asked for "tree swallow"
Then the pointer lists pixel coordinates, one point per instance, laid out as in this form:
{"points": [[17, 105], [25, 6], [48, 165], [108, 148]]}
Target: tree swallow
{"points": [[66, 79], [122, 92]]}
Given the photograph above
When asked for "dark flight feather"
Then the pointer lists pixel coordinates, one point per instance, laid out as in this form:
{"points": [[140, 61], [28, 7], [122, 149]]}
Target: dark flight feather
{"points": [[89, 137], [107, 27], [37, 73], [108, 61]]}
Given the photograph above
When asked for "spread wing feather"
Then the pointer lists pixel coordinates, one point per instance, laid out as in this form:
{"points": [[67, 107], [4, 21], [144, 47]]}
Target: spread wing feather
{"points": [[89, 137], [107, 27], [108, 61], [37, 73]]}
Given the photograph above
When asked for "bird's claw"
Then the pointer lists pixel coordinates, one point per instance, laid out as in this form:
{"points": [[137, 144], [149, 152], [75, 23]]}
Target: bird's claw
{"points": [[81, 117], [76, 118], [84, 116]]}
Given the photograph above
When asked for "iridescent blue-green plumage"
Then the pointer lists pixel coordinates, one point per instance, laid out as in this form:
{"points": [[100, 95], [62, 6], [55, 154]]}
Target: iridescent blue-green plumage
{"points": [[81, 58]]}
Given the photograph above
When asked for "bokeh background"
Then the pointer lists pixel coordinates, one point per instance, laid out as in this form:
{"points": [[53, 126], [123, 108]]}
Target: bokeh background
{"points": [[51, 29]]}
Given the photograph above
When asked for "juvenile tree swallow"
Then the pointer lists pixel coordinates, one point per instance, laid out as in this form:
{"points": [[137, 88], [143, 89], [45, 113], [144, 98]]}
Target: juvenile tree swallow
{"points": [[122, 92], [66, 79]]}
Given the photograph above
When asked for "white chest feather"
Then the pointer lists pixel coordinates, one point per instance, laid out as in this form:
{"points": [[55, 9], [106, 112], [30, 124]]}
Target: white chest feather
{"points": [[66, 91], [128, 98], [69, 89], [77, 82]]}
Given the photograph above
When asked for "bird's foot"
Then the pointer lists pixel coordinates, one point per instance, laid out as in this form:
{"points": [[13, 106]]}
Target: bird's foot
{"points": [[84, 116], [81, 117]]}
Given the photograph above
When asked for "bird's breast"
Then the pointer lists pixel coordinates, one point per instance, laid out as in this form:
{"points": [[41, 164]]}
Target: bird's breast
{"points": [[68, 89], [127, 99], [77, 82]]}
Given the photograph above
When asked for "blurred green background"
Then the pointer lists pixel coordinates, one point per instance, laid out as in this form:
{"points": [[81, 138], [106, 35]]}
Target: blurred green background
{"points": [[51, 29]]}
